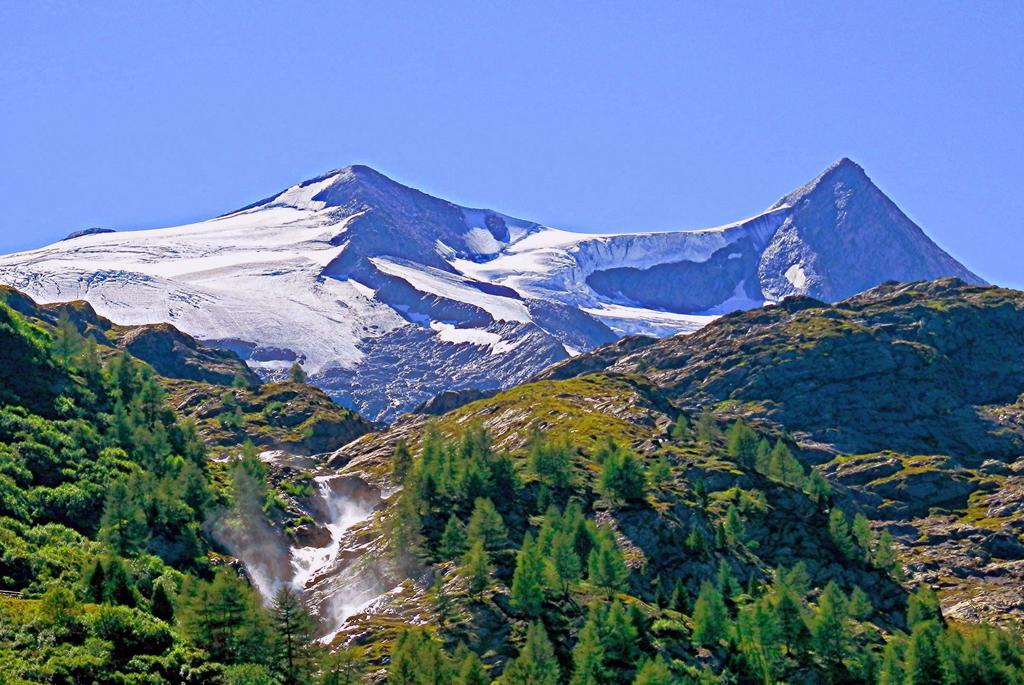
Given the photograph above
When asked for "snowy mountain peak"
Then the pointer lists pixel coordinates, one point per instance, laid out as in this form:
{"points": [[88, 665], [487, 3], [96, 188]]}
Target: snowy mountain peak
{"points": [[841, 174], [388, 295]]}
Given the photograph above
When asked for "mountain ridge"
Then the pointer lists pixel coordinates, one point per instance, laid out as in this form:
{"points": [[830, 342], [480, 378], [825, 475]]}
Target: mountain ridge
{"points": [[349, 273]]}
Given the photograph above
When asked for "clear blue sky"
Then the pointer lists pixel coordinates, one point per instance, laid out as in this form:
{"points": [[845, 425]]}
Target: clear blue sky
{"points": [[593, 116]]}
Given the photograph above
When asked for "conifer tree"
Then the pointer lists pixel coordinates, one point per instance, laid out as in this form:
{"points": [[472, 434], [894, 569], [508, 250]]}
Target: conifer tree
{"points": [[95, 582], [681, 429], [160, 604], [859, 605], [564, 564], [695, 541], [733, 526], [226, 619], [923, 661], [923, 605], [741, 443], [707, 428], [401, 461], [758, 639], [829, 632], [623, 477], [67, 341], [476, 567], [619, 638], [680, 600], [710, 616], [839, 530], [885, 557], [536, 663], [789, 611], [818, 488], [118, 587], [588, 655], [406, 528], [527, 592], [123, 524], [453, 540], [607, 569], [417, 659], [470, 670], [486, 524], [863, 536], [294, 633], [891, 671], [550, 460], [655, 672]]}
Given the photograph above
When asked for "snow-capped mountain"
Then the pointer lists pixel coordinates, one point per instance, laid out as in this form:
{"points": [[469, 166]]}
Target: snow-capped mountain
{"points": [[388, 296]]}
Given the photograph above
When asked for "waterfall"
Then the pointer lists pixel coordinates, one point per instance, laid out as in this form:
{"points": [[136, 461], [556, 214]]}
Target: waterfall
{"points": [[342, 513]]}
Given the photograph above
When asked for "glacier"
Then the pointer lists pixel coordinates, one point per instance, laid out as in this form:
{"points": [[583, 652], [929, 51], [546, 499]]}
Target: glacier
{"points": [[387, 296]]}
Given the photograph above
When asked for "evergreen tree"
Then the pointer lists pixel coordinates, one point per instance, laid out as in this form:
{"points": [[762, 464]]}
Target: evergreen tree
{"points": [[294, 632], [863, 536], [655, 672], [680, 600], [839, 530], [67, 341], [470, 671], [622, 477], [588, 655], [95, 582], [707, 428], [226, 619], [710, 616], [401, 461], [123, 524], [763, 458], [681, 429], [758, 640], [725, 581], [536, 663], [818, 488], [741, 443], [695, 541], [453, 541], [160, 604], [342, 667], [829, 633], [859, 605], [885, 557], [417, 659], [486, 524], [527, 592], [564, 565], [733, 526], [550, 460], [922, 606], [891, 671], [476, 567], [660, 472], [619, 638], [607, 569], [923, 662], [789, 611], [406, 529], [118, 587]]}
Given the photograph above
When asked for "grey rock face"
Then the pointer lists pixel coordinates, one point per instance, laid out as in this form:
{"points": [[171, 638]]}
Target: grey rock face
{"points": [[842, 235]]}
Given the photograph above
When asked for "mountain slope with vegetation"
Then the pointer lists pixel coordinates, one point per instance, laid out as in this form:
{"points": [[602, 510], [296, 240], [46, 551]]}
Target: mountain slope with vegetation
{"points": [[108, 571], [668, 511]]}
